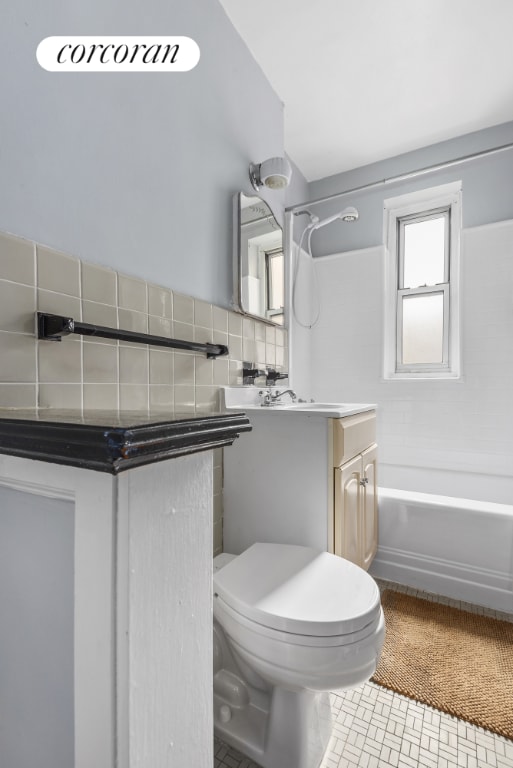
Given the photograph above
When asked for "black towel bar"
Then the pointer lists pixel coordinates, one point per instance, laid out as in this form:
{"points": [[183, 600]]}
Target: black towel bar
{"points": [[54, 327]]}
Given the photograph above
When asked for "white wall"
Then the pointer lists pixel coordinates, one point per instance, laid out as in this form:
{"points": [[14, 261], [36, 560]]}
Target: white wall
{"points": [[462, 426]]}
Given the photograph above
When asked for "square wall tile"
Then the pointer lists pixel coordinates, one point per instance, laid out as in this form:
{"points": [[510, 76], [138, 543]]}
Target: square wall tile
{"points": [[183, 308], [184, 398], [18, 396], [133, 365], [204, 371], [234, 324], [132, 294], [280, 357], [161, 366], [99, 314], [248, 328], [133, 397], [160, 326], [184, 369], [270, 355], [221, 369], [57, 272], [162, 397], [220, 319], [62, 396], [132, 321], [218, 502], [203, 335], [235, 346], [235, 373], [59, 304], [17, 307], [218, 481], [183, 331], [101, 397], [17, 259], [206, 399], [99, 284], [18, 357], [60, 361], [160, 301], [202, 314], [260, 331], [100, 363]]}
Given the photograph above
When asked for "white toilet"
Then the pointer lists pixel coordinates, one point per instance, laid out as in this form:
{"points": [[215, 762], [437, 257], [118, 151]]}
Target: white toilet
{"points": [[290, 624]]}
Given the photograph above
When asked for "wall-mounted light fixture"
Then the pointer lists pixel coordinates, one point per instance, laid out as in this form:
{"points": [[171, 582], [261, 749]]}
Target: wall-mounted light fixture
{"points": [[274, 173]]}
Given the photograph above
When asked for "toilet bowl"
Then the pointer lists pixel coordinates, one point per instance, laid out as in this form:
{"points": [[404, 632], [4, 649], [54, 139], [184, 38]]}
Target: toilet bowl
{"points": [[290, 624]]}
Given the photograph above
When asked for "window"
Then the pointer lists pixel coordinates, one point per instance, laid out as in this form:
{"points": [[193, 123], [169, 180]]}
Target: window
{"points": [[421, 304], [275, 287]]}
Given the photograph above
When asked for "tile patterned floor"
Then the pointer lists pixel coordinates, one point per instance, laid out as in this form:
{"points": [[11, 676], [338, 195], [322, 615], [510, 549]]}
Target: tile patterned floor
{"points": [[375, 727]]}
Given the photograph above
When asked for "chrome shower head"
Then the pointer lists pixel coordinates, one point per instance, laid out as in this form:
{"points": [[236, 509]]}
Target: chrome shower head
{"points": [[348, 214]]}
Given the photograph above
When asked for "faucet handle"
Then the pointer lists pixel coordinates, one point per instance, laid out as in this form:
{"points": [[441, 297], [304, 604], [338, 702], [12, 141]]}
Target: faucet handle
{"points": [[266, 396]]}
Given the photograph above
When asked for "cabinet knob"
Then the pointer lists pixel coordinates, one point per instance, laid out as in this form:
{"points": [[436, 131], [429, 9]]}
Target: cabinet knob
{"points": [[364, 481]]}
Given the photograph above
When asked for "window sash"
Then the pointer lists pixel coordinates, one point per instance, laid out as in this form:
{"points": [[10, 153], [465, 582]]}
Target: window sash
{"points": [[444, 289], [271, 311], [403, 221]]}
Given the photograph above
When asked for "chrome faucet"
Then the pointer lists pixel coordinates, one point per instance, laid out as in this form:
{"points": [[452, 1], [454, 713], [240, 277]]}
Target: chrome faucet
{"points": [[270, 398], [275, 396]]}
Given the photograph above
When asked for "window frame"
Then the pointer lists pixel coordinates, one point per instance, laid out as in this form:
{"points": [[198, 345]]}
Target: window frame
{"points": [[269, 255], [398, 212]]}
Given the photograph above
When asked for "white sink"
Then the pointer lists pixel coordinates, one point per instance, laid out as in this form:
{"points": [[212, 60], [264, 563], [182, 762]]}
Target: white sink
{"points": [[248, 399]]}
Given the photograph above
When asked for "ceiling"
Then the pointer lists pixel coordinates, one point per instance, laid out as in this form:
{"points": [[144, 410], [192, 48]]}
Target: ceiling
{"points": [[367, 80]]}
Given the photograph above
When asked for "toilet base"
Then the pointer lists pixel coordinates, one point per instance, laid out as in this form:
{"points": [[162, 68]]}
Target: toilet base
{"points": [[282, 729]]}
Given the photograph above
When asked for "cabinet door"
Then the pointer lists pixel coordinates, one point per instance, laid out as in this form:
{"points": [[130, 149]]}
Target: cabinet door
{"points": [[369, 507], [348, 510]]}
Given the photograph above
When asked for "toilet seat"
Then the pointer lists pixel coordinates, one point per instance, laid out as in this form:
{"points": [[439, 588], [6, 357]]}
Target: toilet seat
{"points": [[298, 595]]}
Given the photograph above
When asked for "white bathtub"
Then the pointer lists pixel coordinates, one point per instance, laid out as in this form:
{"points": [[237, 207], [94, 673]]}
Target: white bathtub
{"points": [[455, 547]]}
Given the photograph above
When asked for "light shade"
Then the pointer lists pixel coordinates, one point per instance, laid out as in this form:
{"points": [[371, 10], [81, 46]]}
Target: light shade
{"points": [[274, 173]]}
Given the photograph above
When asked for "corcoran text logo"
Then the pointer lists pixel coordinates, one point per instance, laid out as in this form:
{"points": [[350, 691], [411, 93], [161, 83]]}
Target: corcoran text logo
{"points": [[118, 54]]}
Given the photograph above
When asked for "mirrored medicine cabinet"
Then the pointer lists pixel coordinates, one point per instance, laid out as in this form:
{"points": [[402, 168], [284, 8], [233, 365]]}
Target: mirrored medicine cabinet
{"points": [[259, 264]]}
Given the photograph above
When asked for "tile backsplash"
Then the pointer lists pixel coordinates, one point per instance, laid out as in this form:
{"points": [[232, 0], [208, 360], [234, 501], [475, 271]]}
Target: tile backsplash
{"points": [[92, 373], [84, 373]]}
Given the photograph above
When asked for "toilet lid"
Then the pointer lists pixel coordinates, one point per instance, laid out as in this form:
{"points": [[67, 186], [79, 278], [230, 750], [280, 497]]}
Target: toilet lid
{"points": [[299, 590]]}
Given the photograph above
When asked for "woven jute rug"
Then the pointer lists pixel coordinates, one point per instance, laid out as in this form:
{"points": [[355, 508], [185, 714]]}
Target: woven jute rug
{"points": [[458, 662]]}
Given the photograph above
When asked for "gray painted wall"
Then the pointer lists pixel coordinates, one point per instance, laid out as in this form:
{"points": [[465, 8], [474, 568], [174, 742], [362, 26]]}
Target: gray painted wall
{"points": [[36, 631], [487, 187], [134, 171]]}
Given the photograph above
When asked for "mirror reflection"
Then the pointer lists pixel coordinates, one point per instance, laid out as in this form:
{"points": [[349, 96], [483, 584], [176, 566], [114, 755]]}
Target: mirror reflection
{"points": [[259, 260]]}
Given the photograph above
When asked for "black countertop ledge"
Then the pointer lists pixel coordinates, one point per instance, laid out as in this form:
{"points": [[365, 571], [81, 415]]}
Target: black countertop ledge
{"points": [[114, 442]]}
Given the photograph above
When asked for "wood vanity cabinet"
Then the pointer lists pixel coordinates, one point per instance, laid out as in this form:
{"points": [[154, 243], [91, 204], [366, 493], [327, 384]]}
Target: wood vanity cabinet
{"points": [[355, 494]]}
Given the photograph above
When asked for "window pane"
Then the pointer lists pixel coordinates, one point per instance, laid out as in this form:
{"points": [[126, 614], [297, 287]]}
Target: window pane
{"points": [[424, 252], [275, 278], [423, 320]]}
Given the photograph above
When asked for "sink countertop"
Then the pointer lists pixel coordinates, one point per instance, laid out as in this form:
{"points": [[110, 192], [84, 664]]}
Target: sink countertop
{"points": [[114, 441], [247, 399]]}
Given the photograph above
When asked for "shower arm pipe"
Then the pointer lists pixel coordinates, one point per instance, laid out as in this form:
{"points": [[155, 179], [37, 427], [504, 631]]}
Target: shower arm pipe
{"points": [[402, 177]]}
